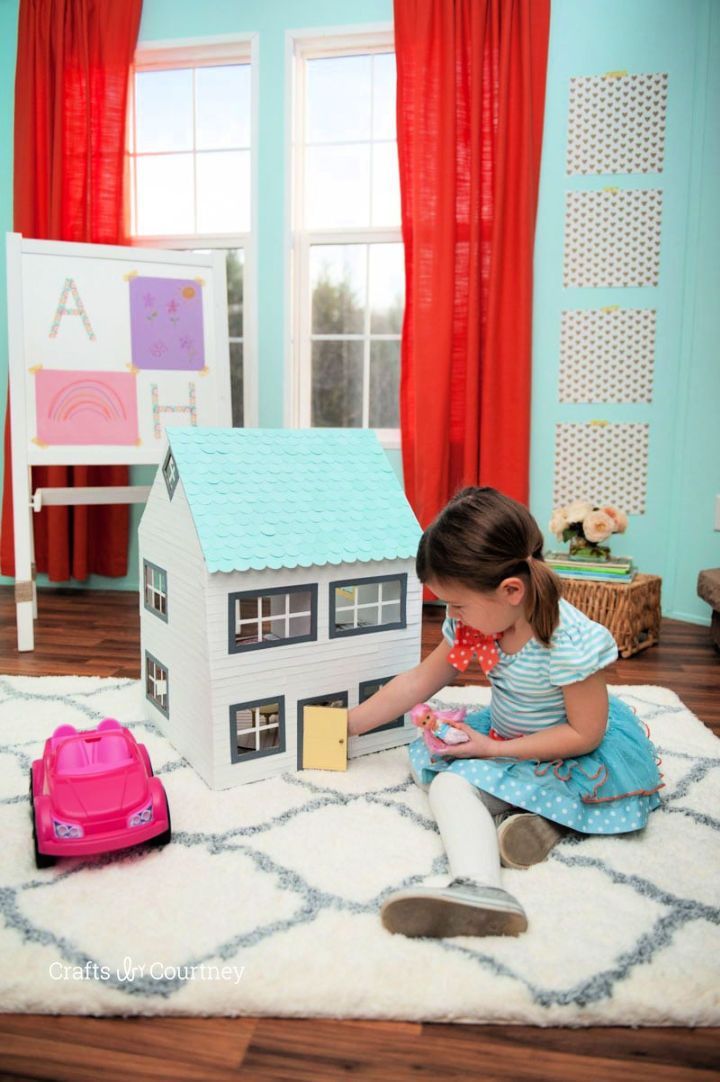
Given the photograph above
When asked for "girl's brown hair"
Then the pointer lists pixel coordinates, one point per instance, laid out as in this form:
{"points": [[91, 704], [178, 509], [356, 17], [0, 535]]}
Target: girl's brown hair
{"points": [[483, 537]]}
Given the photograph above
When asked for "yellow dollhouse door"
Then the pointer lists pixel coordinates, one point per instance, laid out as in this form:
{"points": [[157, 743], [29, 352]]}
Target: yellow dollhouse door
{"points": [[324, 738]]}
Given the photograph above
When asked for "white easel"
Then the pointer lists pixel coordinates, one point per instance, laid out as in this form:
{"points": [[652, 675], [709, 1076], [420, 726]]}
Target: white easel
{"points": [[43, 335]]}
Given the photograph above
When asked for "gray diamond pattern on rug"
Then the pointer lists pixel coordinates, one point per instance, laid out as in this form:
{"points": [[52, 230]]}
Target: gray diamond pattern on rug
{"points": [[266, 902]]}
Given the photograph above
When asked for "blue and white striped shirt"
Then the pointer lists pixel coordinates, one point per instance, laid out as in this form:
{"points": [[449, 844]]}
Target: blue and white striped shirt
{"points": [[527, 686]]}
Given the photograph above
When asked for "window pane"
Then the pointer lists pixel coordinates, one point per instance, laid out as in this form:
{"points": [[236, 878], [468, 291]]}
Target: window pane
{"points": [[384, 384], [236, 384], [248, 608], [165, 195], [344, 620], [384, 79], [299, 625], [387, 288], [392, 590], [163, 110], [337, 379], [222, 109], [367, 593], [368, 617], [385, 185], [234, 268], [301, 601], [337, 281], [337, 186], [223, 191], [338, 99], [391, 613]]}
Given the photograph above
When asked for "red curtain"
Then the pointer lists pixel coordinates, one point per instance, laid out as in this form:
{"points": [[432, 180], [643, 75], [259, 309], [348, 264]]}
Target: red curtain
{"points": [[470, 101], [71, 85]]}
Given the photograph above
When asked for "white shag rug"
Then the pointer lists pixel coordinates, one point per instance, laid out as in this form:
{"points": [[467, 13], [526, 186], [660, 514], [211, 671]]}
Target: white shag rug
{"points": [[266, 902]]}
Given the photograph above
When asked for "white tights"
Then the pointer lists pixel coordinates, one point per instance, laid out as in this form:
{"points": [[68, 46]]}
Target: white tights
{"points": [[465, 819]]}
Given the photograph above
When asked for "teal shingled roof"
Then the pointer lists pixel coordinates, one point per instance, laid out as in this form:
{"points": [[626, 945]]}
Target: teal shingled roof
{"points": [[264, 498]]}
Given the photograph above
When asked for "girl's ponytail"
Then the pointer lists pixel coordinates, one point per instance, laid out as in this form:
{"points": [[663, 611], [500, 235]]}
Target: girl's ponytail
{"points": [[543, 610]]}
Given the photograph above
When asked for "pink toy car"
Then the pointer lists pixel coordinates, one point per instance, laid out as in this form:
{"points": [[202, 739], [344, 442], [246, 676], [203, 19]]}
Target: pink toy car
{"points": [[94, 791]]}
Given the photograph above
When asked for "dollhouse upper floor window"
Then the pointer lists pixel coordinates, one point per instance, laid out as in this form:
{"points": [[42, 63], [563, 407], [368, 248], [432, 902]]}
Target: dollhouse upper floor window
{"points": [[367, 605], [273, 617], [155, 589]]}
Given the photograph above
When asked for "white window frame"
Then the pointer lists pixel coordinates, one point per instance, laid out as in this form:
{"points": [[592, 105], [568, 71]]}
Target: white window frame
{"points": [[213, 52], [302, 46]]}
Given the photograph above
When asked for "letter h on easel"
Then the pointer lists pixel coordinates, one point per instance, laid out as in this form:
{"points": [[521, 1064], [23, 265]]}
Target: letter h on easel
{"points": [[190, 410]]}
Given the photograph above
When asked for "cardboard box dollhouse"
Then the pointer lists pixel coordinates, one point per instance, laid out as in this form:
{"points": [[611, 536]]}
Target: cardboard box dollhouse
{"points": [[278, 572]]}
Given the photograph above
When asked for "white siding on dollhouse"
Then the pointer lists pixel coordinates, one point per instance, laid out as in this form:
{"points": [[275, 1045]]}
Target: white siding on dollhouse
{"points": [[306, 669], [167, 538]]}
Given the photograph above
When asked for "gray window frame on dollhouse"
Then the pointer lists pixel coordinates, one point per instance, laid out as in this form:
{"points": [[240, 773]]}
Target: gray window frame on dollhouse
{"points": [[364, 694], [313, 700], [171, 480], [245, 757], [345, 633], [155, 591], [244, 595], [158, 706]]}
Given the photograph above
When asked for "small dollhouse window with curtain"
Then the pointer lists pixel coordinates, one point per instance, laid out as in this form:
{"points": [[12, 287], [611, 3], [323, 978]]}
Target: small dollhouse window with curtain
{"points": [[170, 473], [257, 729], [155, 589], [273, 617], [156, 684], [367, 605]]}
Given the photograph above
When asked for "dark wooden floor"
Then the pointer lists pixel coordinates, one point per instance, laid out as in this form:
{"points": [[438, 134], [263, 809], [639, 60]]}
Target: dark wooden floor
{"points": [[94, 633]]}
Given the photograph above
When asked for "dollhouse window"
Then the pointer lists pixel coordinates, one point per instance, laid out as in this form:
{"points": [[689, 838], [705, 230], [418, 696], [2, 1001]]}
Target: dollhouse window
{"points": [[367, 605], [368, 689], [276, 617], [257, 729], [155, 589], [156, 684], [170, 474]]}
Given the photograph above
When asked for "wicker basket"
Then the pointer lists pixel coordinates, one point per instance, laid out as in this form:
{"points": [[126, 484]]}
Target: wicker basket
{"points": [[630, 610]]}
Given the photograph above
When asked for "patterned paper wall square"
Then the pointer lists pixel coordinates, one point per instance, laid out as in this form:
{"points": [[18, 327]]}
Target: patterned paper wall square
{"points": [[607, 355], [88, 409], [166, 319], [616, 123], [602, 462], [612, 238]]}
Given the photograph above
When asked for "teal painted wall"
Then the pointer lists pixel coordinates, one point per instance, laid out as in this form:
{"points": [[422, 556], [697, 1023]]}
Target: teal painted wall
{"points": [[675, 537]]}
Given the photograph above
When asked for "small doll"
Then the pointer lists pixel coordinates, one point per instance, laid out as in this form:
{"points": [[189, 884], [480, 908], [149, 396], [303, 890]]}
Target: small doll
{"points": [[436, 725]]}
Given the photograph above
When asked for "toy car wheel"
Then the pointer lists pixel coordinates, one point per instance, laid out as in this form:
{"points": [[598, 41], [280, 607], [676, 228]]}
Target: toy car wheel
{"points": [[42, 860], [164, 838]]}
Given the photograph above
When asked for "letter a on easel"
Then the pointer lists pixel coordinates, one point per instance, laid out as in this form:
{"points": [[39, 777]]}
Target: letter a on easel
{"points": [[63, 310]]}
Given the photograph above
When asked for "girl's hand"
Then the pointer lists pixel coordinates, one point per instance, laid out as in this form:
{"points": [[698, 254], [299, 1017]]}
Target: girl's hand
{"points": [[478, 746]]}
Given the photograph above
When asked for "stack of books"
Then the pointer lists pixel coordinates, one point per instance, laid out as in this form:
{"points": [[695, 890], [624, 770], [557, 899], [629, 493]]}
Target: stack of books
{"points": [[615, 569]]}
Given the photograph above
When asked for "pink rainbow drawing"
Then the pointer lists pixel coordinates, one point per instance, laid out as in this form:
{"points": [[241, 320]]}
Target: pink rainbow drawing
{"points": [[90, 408]]}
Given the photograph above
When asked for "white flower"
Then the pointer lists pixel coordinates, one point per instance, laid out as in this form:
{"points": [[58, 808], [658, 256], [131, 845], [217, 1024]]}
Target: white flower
{"points": [[576, 512], [619, 518], [558, 522], [597, 526]]}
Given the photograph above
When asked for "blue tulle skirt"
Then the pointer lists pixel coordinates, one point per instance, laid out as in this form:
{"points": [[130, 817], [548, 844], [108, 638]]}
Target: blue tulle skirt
{"points": [[611, 790]]}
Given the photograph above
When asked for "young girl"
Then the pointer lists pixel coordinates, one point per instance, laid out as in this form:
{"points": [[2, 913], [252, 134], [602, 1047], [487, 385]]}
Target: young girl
{"points": [[552, 752]]}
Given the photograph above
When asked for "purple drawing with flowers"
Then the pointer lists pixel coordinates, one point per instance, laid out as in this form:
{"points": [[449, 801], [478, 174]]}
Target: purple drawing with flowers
{"points": [[166, 324]]}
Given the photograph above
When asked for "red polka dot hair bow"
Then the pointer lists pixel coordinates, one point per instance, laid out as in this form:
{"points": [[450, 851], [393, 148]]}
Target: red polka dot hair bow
{"points": [[468, 641]]}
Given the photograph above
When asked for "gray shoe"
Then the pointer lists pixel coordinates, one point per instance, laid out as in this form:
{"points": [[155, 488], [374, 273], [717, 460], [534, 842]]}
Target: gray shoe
{"points": [[464, 907], [525, 839]]}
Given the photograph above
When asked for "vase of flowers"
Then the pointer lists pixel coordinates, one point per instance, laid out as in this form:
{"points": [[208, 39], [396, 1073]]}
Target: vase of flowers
{"points": [[586, 527]]}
